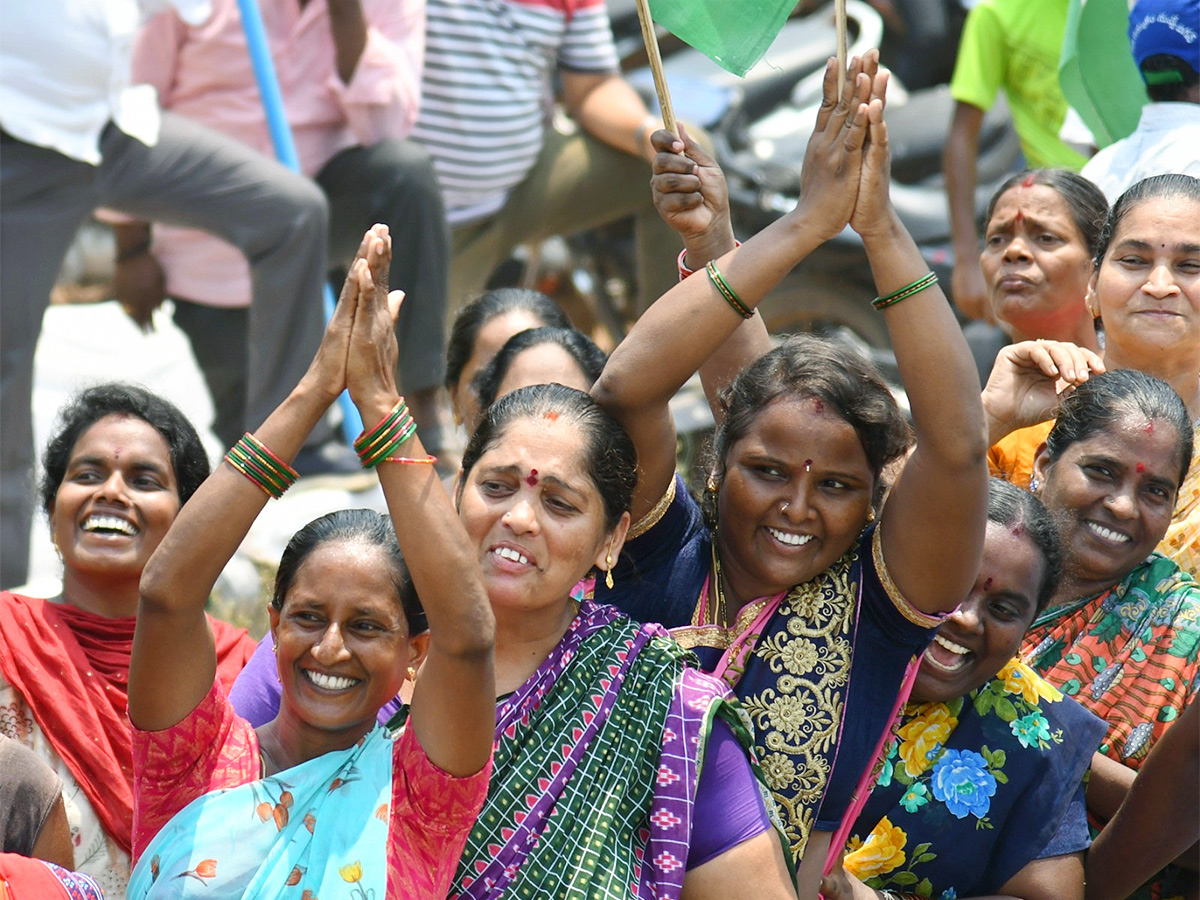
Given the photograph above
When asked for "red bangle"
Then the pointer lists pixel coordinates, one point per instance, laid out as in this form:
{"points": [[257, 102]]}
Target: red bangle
{"points": [[684, 271], [428, 460]]}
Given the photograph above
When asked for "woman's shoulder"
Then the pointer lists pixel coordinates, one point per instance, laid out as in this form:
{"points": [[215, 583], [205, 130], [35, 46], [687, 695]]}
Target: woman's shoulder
{"points": [[1011, 457]]}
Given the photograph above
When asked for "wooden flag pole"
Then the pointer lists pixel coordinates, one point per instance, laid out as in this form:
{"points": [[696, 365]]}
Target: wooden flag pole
{"points": [[839, 17], [656, 66]]}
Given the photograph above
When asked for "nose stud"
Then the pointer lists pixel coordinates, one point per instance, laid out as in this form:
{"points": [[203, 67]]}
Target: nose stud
{"points": [[785, 506]]}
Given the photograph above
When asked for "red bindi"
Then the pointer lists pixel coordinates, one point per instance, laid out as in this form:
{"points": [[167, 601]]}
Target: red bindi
{"points": [[1018, 530], [1149, 429], [552, 416], [1028, 182], [1141, 467], [987, 585], [818, 405], [1020, 217], [532, 478]]}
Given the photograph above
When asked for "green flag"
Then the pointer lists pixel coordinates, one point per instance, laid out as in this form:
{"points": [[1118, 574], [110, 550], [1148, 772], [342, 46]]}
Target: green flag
{"points": [[1097, 73], [732, 33]]}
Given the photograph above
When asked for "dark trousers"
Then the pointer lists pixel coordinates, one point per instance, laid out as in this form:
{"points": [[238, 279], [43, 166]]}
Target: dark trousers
{"points": [[392, 182], [192, 177]]}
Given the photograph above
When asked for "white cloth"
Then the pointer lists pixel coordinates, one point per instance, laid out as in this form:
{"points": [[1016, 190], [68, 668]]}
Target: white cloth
{"points": [[64, 71], [1167, 141]]}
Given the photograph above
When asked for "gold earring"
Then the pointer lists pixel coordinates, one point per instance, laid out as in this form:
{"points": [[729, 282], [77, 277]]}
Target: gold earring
{"points": [[870, 515], [608, 579], [412, 674]]}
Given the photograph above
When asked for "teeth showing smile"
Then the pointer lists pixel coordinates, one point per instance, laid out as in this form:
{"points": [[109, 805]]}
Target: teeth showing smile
{"points": [[792, 540], [329, 682], [1108, 534], [946, 656], [510, 553], [951, 646], [108, 523]]}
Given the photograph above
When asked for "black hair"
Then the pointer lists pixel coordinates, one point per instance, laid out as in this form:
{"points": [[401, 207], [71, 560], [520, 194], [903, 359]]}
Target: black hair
{"points": [[1168, 78], [577, 345], [1155, 187], [1108, 400], [351, 525], [474, 315], [1012, 507], [1085, 202], [114, 398], [609, 451], [808, 366]]}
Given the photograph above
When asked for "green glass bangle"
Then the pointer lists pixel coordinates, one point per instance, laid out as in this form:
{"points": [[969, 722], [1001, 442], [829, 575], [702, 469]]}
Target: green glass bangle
{"points": [[402, 433], [368, 438], [254, 474], [259, 469], [723, 288], [927, 280]]}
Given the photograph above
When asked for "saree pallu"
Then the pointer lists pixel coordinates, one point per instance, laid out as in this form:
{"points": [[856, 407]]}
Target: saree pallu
{"points": [[264, 839], [1128, 655], [976, 788], [596, 764]]}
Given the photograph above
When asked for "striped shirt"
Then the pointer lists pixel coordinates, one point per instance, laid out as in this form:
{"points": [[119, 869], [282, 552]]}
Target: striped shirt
{"points": [[485, 92]]}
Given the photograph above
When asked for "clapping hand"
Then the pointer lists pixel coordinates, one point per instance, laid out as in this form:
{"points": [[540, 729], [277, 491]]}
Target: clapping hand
{"points": [[373, 349]]}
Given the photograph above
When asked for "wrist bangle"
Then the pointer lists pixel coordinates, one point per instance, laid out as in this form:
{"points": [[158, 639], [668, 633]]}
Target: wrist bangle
{"points": [[723, 288], [929, 279], [135, 250], [684, 271], [263, 468]]}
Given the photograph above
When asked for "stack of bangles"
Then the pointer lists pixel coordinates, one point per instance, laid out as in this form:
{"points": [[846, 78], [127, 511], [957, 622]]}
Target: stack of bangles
{"points": [[723, 288], [376, 445], [929, 279], [251, 457]]}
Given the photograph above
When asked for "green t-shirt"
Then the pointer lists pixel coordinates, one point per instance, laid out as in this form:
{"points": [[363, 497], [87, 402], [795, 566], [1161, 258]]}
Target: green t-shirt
{"points": [[1015, 45]]}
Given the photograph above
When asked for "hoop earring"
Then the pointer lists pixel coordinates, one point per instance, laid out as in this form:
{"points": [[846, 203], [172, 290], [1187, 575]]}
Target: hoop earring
{"points": [[608, 576]]}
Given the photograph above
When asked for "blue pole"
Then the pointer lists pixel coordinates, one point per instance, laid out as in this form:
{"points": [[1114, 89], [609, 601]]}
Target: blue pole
{"points": [[285, 152]]}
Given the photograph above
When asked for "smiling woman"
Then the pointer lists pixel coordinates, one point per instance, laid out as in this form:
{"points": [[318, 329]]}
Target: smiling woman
{"points": [[117, 470], [1123, 626], [983, 792], [320, 796]]}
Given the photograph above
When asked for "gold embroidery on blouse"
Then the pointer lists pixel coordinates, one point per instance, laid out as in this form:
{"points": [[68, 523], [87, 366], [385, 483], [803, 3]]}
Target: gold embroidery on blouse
{"points": [[796, 721], [650, 519], [906, 609]]}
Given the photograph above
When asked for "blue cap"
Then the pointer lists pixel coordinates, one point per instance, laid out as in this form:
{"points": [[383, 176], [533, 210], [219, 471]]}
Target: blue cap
{"points": [[1166, 27]]}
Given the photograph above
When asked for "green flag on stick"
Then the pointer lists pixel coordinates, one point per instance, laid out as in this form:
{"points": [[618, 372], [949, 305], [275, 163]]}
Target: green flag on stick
{"points": [[732, 33], [1097, 73]]}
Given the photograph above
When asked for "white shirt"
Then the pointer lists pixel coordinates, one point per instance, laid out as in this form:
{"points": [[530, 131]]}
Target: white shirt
{"points": [[1167, 141], [64, 71]]}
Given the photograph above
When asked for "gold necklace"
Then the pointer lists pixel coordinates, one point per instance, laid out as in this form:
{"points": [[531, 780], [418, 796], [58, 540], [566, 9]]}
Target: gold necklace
{"points": [[721, 613]]}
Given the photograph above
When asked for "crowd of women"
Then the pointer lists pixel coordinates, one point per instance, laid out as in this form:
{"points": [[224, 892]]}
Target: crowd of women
{"points": [[854, 666]]}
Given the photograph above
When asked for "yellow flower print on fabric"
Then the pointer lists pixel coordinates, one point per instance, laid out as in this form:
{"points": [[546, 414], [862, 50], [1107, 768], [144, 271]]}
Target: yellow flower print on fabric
{"points": [[921, 735], [351, 873], [1019, 679], [882, 852]]}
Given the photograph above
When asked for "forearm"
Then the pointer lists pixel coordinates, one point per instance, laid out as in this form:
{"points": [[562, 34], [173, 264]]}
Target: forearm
{"points": [[131, 238], [958, 165], [1108, 786], [437, 551], [609, 109], [685, 326], [349, 27], [933, 357], [210, 527]]}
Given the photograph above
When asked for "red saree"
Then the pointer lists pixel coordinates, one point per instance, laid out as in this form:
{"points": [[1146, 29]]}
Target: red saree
{"points": [[72, 668]]}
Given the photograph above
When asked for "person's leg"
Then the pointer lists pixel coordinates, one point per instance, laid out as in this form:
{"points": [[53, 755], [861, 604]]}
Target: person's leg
{"points": [[394, 182], [218, 338], [580, 182], [46, 196], [278, 219]]}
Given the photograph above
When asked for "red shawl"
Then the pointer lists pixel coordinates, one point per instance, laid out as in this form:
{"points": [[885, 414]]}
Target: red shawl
{"points": [[72, 669]]}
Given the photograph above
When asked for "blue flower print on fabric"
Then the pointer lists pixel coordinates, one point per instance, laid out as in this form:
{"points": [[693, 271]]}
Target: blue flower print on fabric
{"points": [[962, 781]]}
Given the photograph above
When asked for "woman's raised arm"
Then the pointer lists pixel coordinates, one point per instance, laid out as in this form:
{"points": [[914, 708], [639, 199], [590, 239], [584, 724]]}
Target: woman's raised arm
{"points": [[454, 699], [934, 521], [691, 321], [174, 660]]}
